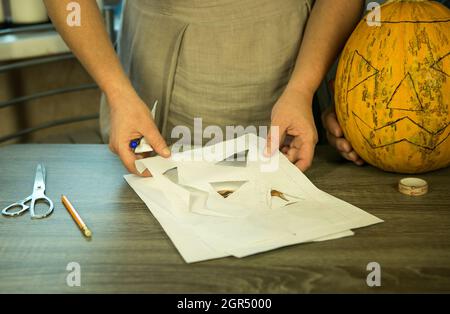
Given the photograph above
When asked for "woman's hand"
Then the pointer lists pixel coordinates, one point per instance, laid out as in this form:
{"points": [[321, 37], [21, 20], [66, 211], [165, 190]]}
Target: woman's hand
{"points": [[132, 119], [297, 139], [336, 137]]}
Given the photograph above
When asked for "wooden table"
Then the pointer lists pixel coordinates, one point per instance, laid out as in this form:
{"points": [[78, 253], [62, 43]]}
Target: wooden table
{"points": [[130, 252]]}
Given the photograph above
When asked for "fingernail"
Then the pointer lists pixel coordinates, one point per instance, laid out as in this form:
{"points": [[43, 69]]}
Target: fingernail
{"points": [[348, 148], [166, 151]]}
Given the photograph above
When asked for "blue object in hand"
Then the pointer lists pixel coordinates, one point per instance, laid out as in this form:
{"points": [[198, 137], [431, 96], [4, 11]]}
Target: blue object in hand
{"points": [[134, 143]]}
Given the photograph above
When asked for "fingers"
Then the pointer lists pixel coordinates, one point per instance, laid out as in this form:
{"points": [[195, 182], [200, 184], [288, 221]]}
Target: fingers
{"points": [[332, 125], [128, 158], [275, 138], [306, 154], [291, 154], [340, 143], [353, 156], [130, 122], [345, 149], [301, 153], [156, 141], [112, 148], [127, 155]]}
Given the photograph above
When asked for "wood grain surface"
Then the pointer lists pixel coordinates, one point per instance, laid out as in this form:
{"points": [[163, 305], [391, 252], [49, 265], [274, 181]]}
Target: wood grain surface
{"points": [[129, 251]]}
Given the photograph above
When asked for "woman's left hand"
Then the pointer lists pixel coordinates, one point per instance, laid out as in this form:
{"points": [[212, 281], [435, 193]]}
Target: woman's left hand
{"points": [[297, 136]]}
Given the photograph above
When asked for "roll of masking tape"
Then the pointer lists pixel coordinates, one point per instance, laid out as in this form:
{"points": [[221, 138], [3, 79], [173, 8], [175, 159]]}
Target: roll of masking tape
{"points": [[413, 186]]}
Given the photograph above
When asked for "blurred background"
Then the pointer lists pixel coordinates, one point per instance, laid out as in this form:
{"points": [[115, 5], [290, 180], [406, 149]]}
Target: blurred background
{"points": [[45, 94]]}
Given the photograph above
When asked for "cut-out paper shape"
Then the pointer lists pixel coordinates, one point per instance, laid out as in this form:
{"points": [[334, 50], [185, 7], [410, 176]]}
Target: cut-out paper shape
{"points": [[184, 196], [227, 188], [172, 175]]}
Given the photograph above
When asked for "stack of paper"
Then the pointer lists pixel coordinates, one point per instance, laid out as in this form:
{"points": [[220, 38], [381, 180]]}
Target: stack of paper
{"points": [[211, 206]]}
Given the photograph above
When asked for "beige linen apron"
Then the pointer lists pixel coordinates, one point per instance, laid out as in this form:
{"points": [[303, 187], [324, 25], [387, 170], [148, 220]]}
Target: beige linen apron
{"points": [[225, 61]]}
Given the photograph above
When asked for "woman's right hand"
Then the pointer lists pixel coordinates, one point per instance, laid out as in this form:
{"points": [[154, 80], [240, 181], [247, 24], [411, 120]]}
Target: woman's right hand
{"points": [[336, 138], [132, 119]]}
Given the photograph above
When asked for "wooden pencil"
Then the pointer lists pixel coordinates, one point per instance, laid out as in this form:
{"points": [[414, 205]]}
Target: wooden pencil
{"points": [[76, 217]]}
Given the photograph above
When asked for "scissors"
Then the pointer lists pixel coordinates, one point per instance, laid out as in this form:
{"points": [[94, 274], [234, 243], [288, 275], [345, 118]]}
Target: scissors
{"points": [[38, 196]]}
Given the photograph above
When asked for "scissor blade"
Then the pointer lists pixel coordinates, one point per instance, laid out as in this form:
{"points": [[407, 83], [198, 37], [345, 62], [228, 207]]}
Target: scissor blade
{"points": [[39, 180]]}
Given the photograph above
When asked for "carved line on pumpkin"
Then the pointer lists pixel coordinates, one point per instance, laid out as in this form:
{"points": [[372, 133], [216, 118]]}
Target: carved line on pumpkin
{"points": [[369, 77], [413, 22], [392, 123], [368, 63], [433, 66], [401, 119], [408, 75], [356, 52], [348, 82]]}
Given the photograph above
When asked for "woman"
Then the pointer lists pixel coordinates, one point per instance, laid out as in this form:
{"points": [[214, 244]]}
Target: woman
{"points": [[229, 62]]}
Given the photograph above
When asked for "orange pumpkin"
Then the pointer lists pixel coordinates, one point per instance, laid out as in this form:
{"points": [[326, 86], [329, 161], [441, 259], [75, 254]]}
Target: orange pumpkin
{"points": [[393, 88]]}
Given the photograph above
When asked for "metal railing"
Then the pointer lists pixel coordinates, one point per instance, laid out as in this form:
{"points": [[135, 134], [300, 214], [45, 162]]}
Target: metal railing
{"points": [[109, 19]]}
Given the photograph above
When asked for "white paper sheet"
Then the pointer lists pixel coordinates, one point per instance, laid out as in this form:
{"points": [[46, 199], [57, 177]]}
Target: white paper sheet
{"points": [[184, 197]]}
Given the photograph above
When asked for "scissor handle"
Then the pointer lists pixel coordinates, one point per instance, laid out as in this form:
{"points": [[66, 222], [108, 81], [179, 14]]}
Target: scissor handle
{"points": [[41, 199], [13, 209]]}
